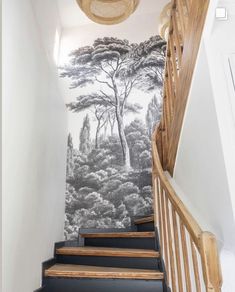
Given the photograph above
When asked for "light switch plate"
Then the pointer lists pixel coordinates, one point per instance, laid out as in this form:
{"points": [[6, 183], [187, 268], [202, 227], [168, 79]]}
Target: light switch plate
{"points": [[221, 13]]}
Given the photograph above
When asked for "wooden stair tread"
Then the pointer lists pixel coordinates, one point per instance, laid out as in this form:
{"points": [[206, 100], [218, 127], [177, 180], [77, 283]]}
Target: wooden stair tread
{"points": [[80, 271], [119, 235], [108, 251], [144, 220]]}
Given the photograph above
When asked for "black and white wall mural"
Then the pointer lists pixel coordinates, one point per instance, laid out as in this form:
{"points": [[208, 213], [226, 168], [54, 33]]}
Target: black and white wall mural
{"points": [[119, 88]]}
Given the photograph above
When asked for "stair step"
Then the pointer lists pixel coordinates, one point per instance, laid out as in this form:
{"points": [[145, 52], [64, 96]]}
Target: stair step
{"points": [[119, 235], [144, 220], [80, 271], [139, 240], [115, 256], [107, 252]]}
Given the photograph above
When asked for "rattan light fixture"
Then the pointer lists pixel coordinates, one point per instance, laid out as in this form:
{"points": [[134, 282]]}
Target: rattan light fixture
{"points": [[108, 11]]}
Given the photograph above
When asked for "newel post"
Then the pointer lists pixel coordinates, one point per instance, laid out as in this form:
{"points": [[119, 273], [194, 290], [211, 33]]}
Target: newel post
{"points": [[210, 262]]}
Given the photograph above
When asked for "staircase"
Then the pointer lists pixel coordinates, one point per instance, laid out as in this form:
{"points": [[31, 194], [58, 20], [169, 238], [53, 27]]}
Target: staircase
{"points": [[165, 252], [107, 260]]}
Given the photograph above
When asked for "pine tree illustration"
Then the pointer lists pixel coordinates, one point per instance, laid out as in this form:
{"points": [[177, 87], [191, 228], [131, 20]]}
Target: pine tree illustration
{"points": [[85, 139]]}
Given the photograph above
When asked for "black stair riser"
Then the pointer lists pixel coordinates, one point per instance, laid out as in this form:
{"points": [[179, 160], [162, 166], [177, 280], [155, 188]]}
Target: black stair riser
{"points": [[121, 262], [149, 226], [142, 243], [102, 285]]}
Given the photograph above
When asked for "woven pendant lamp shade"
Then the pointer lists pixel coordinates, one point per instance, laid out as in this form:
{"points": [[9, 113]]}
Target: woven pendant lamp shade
{"points": [[108, 11]]}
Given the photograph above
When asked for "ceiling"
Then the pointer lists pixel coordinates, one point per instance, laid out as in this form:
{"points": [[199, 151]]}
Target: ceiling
{"points": [[72, 16]]}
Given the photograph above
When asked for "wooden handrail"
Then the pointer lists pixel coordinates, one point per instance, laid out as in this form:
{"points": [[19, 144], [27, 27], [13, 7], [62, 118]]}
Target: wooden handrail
{"points": [[186, 25], [191, 224], [181, 237]]}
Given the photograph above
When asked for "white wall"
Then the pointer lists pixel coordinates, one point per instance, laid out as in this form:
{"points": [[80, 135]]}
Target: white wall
{"points": [[205, 165], [1, 154], [34, 150], [218, 53], [135, 29], [200, 168]]}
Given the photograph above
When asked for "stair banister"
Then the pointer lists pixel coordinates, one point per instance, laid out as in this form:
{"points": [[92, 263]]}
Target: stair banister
{"points": [[186, 25], [190, 254]]}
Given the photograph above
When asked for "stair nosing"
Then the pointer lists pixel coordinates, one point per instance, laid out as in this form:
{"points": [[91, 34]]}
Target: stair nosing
{"points": [[108, 252], [147, 234], [102, 272], [144, 220]]}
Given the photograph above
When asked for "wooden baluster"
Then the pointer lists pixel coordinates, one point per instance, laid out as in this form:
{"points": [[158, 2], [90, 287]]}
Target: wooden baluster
{"points": [[170, 244], [164, 226], [166, 128], [185, 257], [167, 81], [156, 208], [170, 103], [170, 82], [165, 139], [177, 251], [172, 96], [157, 140], [160, 216], [173, 62], [171, 77], [195, 267], [167, 99], [177, 39], [180, 12], [154, 192], [166, 106]]}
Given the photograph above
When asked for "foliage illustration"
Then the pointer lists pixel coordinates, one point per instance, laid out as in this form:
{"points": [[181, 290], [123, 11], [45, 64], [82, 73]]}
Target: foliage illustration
{"points": [[109, 174]]}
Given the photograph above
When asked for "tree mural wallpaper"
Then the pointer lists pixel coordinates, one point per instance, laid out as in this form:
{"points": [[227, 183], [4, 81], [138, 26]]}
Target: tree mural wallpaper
{"points": [[109, 172]]}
